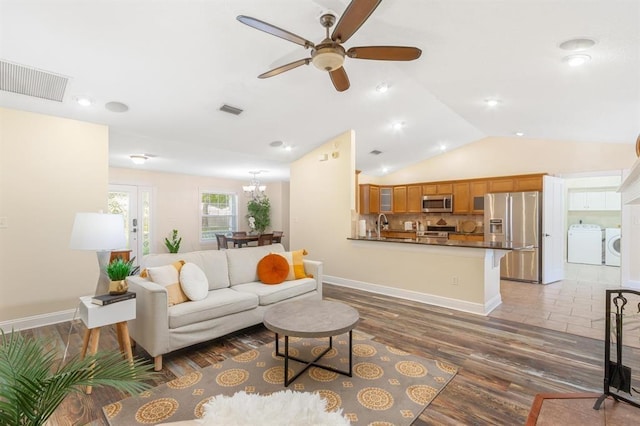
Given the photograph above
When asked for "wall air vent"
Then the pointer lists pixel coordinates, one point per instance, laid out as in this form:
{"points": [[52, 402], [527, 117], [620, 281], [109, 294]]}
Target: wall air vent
{"points": [[375, 152], [230, 109], [32, 82]]}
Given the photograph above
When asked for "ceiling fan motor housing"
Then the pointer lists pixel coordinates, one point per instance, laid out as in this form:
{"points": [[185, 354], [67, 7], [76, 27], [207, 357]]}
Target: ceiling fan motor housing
{"points": [[328, 56]]}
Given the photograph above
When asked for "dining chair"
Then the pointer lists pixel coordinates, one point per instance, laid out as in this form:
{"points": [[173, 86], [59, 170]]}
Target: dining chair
{"points": [[277, 236], [265, 239], [239, 234], [222, 241]]}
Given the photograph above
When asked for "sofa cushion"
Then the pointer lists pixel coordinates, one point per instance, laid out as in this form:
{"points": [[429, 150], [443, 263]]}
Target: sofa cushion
{"points": [[168, 276], [212, 262], [218, 303], [194, 282], [273, 269], [269, 294], [243, 263]]}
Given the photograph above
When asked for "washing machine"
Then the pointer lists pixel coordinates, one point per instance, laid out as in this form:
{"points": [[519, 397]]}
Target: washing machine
{"points": [[584, 244], [612, 246]]}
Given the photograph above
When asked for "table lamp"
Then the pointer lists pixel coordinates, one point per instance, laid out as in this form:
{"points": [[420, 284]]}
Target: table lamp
{"points": [[102, 233]]}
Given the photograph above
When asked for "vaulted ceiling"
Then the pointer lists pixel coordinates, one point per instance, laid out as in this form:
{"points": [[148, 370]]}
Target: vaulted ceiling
{"points": [[174, 63]]}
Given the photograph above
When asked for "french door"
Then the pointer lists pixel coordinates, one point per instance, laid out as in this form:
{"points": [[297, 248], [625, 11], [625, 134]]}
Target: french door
{"points": [[134, 204]]}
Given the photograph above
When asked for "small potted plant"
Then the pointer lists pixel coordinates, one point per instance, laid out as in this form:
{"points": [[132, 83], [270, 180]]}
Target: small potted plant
{"points": [[118, 270], [173, 245]]}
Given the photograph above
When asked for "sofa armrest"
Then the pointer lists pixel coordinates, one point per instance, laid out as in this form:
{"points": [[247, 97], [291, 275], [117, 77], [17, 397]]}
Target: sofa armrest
{"points": [[314, 268], [151, 327]]}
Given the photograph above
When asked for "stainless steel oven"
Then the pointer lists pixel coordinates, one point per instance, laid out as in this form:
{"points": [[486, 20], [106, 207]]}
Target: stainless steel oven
{"points": [[437, 203], [438, 232]]}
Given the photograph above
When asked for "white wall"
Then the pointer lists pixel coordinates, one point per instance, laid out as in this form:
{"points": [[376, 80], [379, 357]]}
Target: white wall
{"points": [[176, 202], [50, 168], [502, 156]]}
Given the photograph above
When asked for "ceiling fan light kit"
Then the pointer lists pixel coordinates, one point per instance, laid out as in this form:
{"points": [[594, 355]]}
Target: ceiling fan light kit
{"points": [[329, 55]]}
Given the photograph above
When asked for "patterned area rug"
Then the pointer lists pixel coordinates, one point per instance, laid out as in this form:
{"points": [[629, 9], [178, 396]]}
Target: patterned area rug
{"points": [[388, 387]]}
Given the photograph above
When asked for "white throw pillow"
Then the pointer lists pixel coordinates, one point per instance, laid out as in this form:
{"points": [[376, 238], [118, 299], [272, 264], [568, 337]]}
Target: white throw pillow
{"points": [[194, 282]]}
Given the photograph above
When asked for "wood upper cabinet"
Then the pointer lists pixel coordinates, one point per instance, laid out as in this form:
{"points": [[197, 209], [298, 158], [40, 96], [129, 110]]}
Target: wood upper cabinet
{"points": [[369, 199], [414, 199], [501, 185], [528, 183], [461, 198], [477, 190], [400, 199], [437, 188]]}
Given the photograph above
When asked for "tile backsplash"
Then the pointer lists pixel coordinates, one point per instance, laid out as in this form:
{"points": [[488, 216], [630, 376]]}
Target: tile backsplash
{"points": [[396, 221]]}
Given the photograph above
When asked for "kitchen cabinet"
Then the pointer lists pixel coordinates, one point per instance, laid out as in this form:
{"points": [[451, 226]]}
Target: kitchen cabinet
{"points": [[437, 189], [477, 190], [414, 199], [398, 234], [386, 199], [501, 185], [369, 199], [612, 200], [461, 198], [528, 183], [400, 199]]}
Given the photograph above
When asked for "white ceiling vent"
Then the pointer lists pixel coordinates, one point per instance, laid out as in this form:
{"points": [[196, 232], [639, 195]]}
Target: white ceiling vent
{"points": [[32, 82]]}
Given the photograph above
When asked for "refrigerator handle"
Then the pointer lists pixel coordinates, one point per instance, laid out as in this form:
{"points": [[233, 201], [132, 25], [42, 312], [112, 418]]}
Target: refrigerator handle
{"points": [[509, 227]]}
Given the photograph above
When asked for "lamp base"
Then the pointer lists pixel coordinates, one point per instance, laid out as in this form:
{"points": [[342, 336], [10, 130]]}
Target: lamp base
{"points": [[102, 287]]}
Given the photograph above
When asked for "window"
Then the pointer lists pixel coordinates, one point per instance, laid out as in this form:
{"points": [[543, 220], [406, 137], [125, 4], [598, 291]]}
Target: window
{"points": [[218, 213]]}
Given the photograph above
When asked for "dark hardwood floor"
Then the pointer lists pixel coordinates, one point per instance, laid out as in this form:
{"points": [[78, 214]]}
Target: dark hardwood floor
{"points": [[501, 364]]}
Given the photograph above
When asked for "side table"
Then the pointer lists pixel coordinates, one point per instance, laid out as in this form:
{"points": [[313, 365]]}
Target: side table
{"points": [[96, 316]]}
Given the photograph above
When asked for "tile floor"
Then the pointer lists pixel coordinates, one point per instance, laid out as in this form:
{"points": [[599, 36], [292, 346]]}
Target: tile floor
{"points": [[574, 305]]}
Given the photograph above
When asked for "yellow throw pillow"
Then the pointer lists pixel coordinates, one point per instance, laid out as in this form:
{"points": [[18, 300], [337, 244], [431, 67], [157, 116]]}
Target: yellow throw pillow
{"points": [[296, 264], [168, 276]]}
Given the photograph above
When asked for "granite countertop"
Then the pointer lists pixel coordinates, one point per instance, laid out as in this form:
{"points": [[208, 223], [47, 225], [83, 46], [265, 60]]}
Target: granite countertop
{"points": [[445, 243]]}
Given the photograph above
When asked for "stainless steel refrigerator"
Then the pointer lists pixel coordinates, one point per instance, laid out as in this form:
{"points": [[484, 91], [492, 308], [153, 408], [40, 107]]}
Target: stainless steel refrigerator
{"points": [[515, 217]]}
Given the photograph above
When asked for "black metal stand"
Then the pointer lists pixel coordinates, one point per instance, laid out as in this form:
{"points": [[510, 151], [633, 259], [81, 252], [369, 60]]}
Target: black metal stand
{"points": [[616, 375], [313, 363]]}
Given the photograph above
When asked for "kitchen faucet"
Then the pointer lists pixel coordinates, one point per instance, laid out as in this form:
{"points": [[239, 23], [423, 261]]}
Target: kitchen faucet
{"points": [[386, 221]]}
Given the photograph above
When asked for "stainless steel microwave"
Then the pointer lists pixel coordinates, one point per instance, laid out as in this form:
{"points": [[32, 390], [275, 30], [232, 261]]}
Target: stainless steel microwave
{"points": [[437, 203]]}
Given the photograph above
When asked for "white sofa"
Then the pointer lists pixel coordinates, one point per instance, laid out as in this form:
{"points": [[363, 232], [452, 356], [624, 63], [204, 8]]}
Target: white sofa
{"points": [[236, 299]]}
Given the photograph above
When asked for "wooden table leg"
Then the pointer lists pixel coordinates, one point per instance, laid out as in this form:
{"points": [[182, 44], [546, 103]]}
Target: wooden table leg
{"points": [[85, 343], [95, 338], [124, 340]]}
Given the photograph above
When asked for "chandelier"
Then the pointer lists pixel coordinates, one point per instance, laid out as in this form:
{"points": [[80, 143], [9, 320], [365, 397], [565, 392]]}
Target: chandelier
{"points": [[254, 189]]}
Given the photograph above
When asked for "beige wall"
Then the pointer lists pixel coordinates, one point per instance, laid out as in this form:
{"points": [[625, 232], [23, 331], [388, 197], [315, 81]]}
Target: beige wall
{"points": [[50, 168], [176, 200], [502, 156]]}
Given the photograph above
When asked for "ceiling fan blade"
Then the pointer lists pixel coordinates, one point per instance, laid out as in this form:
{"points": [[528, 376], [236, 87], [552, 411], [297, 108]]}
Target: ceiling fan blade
{"points": [[356, 14], [385, 53], [284, 68], [340, 79], [273, 30]]}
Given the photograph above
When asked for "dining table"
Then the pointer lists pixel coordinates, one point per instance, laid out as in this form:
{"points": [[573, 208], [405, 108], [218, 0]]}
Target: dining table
{"points": [[241, 240]]}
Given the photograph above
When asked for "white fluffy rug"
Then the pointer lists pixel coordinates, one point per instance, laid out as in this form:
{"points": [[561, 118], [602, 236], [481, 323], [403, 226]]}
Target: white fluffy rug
{"points": [[280, 408]]}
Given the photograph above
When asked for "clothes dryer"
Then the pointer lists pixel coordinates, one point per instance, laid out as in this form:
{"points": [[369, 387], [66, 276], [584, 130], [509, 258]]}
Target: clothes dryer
{"points": [[612, 246]]}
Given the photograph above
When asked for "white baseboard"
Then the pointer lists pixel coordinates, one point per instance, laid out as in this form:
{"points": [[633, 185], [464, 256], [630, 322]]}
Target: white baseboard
{"points": [[431, 299], [38, 320]]}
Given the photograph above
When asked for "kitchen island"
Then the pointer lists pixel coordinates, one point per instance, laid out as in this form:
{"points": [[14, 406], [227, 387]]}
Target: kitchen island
{"points": [[457, 274]]}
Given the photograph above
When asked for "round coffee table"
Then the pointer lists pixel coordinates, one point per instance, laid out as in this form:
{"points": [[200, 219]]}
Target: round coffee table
{"points": [[311, 318]]}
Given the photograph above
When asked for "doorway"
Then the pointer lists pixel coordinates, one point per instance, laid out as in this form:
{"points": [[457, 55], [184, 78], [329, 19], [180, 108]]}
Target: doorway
{"points": [[134, 204]]}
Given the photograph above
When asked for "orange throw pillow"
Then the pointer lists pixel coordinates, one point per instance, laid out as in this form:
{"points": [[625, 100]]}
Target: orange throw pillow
{"points": [[273, 269]]}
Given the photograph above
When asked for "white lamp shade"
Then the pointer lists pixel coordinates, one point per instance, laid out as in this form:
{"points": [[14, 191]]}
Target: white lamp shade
{"points": [[98, 232]]}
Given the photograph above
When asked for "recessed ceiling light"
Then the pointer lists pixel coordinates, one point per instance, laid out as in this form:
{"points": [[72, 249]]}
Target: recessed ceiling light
{"points": [[385, 169], [138, 158], [83, 100], [398, 125], [577, 44], [576, 60], [519, 134], [491, 102], [288, 148], [443, 147], [382, 87], [116, 106]]}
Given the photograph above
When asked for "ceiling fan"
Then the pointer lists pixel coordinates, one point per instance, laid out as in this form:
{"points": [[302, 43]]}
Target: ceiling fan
{"points": [[329, 54]]}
